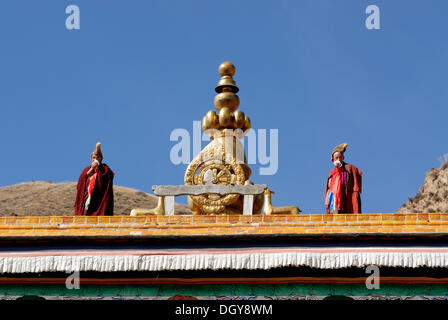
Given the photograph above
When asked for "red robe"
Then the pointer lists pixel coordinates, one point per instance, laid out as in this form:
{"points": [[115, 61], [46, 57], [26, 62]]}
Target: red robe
{"points": [[102, 199], [351, 198]]}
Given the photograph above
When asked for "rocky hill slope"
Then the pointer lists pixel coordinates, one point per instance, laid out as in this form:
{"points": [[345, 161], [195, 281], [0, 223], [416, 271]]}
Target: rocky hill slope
{"points": [[58, 199], [433, 195]]}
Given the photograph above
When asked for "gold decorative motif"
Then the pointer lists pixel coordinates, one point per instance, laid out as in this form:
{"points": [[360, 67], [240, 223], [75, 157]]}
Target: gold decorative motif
{"points": [[221, 162], [222, 174], [227, 103], [224, 155], [159, 210], [270, 209]]}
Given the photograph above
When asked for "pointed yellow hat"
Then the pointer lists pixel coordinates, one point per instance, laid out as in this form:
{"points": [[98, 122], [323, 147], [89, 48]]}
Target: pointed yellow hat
{"points": [[98, 150], [340, 148]]}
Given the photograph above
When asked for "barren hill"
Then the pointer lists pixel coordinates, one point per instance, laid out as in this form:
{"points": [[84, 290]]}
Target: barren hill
{"points": [[433, 195], [42, 198]]}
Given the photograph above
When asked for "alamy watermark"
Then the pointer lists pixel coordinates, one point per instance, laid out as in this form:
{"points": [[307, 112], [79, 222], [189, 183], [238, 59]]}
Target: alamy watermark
{"points": [[373, 20], [255, 140], [373, 281], [72, 281], [73, 21]]}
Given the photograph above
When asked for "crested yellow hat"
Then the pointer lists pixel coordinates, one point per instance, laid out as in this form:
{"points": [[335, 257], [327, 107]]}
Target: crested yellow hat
{"points": [[98, 150], [340, 148]]}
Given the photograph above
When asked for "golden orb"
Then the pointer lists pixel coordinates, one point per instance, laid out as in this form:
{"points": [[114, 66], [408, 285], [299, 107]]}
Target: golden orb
{"points": [[225, 117], [239, 119], [226, 69], [247, 124], [227, 100], [204, 124], [210, 120]]}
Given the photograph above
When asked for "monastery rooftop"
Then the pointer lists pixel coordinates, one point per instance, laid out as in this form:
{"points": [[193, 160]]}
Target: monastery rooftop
{"points": [[187, 226]]}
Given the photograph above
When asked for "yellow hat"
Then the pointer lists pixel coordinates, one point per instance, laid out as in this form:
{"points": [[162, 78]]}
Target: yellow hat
{"points": [[340, 148], [98, 150]]}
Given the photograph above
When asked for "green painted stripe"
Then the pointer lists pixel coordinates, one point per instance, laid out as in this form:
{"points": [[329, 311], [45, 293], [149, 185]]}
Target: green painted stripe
{"points": [[291, 289]]}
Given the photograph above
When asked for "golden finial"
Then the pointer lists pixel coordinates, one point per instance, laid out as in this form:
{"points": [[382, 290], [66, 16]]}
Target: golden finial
{"points": [[222, 161], [227, 103], [227, 71]]}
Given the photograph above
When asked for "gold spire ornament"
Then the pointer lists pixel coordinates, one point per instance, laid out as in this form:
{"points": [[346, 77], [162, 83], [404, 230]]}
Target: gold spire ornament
{"points": [[222, 161], [217, 179], [227, 103]]}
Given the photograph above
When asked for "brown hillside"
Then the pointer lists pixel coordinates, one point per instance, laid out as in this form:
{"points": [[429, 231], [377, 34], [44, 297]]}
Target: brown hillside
{"points": [[58, 199], [433, 196]]}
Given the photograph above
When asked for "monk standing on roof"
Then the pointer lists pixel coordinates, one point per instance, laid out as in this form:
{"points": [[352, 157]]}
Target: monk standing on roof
{"points": [[344, 182], [95, 195]]}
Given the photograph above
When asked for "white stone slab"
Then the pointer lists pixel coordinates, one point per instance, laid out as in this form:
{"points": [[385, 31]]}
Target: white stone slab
{"points": [[169, 205], [248, 204], [201, 189]]}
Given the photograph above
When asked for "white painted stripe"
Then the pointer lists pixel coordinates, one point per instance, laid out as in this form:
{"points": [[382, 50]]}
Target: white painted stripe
{"points": [[235, 261]]}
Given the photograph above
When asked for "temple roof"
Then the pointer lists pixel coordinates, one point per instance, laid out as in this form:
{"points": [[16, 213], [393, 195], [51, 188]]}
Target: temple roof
{"points": [[191, 226], [234, 242]]}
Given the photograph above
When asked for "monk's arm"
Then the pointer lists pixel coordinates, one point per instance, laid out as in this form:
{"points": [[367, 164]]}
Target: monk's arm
{"points": [[357, 180]]}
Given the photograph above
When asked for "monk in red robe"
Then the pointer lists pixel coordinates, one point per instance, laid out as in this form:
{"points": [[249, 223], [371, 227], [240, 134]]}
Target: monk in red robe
{"points": [[344, 184], [95, 195]]}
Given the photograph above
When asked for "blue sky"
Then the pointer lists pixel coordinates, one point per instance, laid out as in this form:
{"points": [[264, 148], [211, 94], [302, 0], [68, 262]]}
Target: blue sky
{"points": [[136, 70]]}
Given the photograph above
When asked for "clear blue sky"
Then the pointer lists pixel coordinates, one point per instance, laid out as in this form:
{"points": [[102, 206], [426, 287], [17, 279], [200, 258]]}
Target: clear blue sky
{"points": [[136, 70]]}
